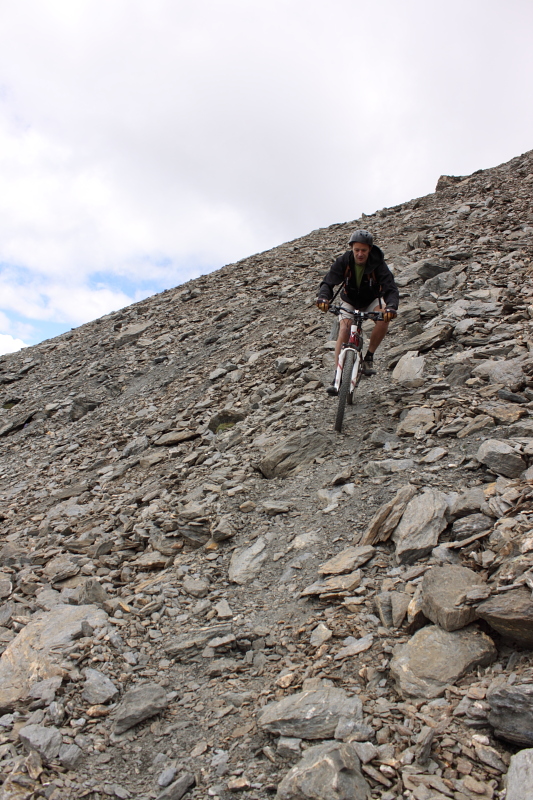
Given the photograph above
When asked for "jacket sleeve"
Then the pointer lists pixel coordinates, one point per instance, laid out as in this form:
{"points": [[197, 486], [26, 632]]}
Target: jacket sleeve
{"points": [[388, 286], [334, 277]]}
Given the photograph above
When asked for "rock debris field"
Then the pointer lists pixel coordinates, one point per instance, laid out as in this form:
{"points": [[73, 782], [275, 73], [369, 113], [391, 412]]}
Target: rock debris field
{"points": [[206, 593]]}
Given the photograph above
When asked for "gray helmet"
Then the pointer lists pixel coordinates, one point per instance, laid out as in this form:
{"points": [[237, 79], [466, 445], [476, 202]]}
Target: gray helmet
{"points": [[361, 236]]}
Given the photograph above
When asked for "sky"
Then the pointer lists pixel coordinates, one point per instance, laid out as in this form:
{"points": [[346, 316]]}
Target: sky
{"points": [[145, 143]]}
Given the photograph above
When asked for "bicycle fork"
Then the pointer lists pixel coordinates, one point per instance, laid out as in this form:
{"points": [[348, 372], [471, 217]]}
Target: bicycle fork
{"points": [[340, 367]]}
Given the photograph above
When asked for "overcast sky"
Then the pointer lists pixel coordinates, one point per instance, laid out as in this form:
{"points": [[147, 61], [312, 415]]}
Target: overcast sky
{"points": [[144, 142]]}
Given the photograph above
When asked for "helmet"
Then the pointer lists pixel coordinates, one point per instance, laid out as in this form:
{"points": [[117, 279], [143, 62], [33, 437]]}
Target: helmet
{"points": [[361, 236]]}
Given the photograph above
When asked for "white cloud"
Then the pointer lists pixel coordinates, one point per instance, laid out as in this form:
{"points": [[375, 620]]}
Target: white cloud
{"points": [[10, 345], [157, 140]]}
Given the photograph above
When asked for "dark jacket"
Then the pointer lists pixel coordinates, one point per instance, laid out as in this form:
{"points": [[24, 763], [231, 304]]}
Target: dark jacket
{"points": [[378, 281]]}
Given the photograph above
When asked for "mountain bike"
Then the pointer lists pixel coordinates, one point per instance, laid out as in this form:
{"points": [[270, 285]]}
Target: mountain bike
{"points": [[350, 364]]}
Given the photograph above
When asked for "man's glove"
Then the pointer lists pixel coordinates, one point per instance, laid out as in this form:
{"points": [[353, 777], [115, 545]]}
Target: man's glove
{"points": [[322, 303], [389, 314]]}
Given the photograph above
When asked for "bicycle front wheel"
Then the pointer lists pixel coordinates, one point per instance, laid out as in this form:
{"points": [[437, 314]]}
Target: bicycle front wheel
{"points": [[344, 390]]}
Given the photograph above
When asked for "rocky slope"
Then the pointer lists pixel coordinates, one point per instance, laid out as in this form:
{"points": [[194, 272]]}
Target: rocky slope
{"points": [[205, 592]]}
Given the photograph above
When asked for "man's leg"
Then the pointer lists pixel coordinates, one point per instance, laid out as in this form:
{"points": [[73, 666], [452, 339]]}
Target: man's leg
{"points": [[344, 335], [377, 336]]}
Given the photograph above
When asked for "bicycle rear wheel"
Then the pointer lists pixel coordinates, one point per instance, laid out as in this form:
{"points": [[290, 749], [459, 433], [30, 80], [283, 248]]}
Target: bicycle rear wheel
{"points": [[344, 389]]}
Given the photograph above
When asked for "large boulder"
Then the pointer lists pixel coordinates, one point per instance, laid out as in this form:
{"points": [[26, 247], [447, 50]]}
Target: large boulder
{"points": [[422, 522], [329, 771], [511, 614], [511, 713], [434, 658], [442, 590], [509, 373], [501, 458], [245, 564], [139, 704], [312, 714], [36, 653], [418, 419], [520, 776], [293, 453], [409, 370]]}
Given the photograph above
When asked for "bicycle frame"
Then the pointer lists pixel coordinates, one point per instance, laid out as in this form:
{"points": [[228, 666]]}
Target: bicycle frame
{"points": [[355, 343]]}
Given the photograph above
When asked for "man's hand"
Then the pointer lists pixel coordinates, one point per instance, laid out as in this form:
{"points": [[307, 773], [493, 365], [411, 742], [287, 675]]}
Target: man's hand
{"points": [[389, 314], [322, 303]]}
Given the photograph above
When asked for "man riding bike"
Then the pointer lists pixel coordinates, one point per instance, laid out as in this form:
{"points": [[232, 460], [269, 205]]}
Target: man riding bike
{"points": [[368, 285]]}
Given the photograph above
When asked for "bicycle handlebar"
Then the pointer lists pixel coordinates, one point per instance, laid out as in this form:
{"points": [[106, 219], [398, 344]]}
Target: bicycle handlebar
{"points": [[377, 316]]}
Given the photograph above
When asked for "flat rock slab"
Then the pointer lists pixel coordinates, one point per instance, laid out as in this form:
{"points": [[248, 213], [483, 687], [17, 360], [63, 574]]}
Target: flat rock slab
{"points": [[467, 526], [433, 337], [442, 590], [511, 614], [347, 561], [507, 413], [508, 373], [35, 654], [336, 584], [520, 776], [293, 453], [175, 437], [501, 458], [245, 564], [511, 713], [139, 704], [329, 771], [434, 658], [309, 714], [420, 526], [416, 419]]}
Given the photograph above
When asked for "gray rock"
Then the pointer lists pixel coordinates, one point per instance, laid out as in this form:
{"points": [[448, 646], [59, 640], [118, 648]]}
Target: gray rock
{"points": [[442, 591], [227, 417], [511, 713], [35, 653], [92, 592], [434, 658], [44, 741], [167, 777], [98, 688], [195, 587], [132, 333], [511, 614], [420, 526], [379, 437], [139, 704], [388, 516], [520, 776], [179, 788], [70, 755], [81, 406], [429, 269], [501, 458], [433, 337], [508, 373], [329, 771], [347, 560], [388, 466], [468, 526], [468, 502], [245, 564], [409, 370], [293, 453], [136, 446], [273, 507], [417, 419], [309, 714]]}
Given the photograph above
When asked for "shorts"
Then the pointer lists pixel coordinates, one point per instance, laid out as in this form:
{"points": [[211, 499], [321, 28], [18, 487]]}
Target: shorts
{"points": [[375, 305]]}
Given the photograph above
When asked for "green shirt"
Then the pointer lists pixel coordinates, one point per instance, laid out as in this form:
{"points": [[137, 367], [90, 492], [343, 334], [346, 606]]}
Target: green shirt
{"points": [[359, 272]]}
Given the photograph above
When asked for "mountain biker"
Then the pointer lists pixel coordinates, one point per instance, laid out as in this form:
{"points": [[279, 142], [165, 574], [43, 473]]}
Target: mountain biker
{"points": [[368, 285]]}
